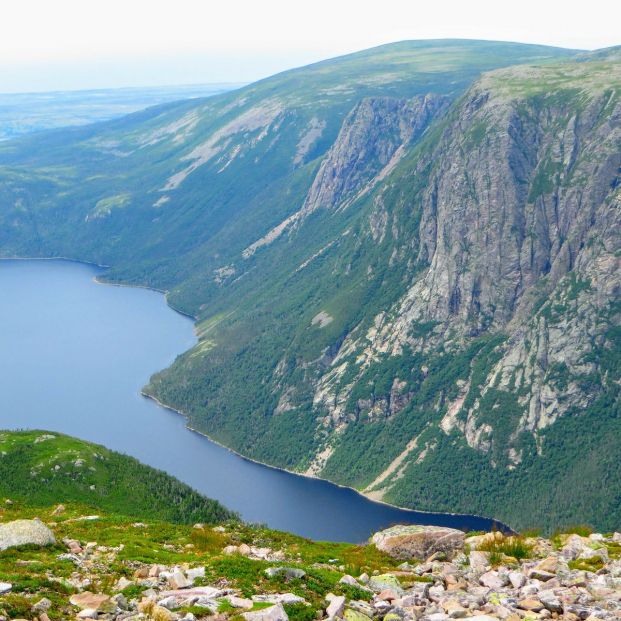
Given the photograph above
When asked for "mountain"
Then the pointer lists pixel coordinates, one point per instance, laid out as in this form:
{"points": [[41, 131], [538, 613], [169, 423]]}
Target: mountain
{"points": [[42, 468], [404, 265]]}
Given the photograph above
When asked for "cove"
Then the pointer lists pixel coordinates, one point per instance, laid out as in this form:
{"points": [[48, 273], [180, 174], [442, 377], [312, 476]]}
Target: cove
{"points": [[74, 355]]}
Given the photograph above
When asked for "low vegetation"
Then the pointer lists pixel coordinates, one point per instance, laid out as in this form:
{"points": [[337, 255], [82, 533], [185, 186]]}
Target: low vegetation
{"points": [[44, 468]]}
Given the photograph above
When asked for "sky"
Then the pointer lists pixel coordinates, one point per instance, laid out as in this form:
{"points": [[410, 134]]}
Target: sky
{"points": [[75, 44]]}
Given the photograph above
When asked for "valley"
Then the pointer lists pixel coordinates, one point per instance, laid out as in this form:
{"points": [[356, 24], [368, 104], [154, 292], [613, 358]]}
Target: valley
{"points": [[403, 263]]}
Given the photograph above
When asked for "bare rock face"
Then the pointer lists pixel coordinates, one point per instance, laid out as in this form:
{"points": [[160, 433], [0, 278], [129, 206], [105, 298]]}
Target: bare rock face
{"points": [[371, 142], [418, 542], [22, 532], [503, 223]]}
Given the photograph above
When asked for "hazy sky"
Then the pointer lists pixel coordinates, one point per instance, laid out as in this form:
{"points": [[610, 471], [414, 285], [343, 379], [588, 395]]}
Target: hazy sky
{"points": [[69, 44]]}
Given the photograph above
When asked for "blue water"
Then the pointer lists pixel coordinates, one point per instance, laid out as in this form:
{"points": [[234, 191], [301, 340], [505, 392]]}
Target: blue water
{"points": [[73, 357]]}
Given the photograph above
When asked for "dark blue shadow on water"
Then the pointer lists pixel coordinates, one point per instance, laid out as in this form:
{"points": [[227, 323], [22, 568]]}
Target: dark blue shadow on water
{"points": [[73, 358]]}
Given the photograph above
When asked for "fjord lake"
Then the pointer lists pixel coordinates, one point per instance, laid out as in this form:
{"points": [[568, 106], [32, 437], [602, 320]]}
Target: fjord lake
{"points": [[74, 356]]}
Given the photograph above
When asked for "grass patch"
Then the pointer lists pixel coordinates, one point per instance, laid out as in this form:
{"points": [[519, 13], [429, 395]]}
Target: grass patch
{"points": [[501, 547]]}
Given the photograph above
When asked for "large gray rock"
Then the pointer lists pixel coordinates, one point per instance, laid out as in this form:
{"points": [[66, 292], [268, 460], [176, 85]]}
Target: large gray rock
{"points": [[22, 532], [418, 542], [275, 613]]}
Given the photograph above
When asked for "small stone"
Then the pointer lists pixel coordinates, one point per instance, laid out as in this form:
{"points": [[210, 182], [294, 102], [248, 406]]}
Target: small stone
{"points": [[43, 605], [517, 579], [346, 579], [59, 509], [142, 572], [550, 601], [355, 615], [537, 574], [388, 595], [533, 605], [5, 587], [122, 583], [74, 546], [171, 602], [479, 561], [549, 565], [154, 571], [492, 580], [454, 609]]}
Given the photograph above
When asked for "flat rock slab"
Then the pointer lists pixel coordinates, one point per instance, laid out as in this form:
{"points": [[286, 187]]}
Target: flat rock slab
{"points": [[90, 601], [418, 542], [275, 613], [24, 532]]}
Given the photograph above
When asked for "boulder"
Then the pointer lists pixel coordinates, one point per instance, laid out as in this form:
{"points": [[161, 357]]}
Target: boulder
{"points": [[385, 581], [23, 532], [336, 606], [418, 542], [43, 605], [274, 613]]}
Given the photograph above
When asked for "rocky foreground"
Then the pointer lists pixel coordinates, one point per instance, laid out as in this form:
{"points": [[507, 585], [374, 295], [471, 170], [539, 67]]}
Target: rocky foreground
{"points": [[71, 566]]}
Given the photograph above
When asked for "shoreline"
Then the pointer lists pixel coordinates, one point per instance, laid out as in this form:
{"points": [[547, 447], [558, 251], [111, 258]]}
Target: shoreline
{"points": [[98, 281], [501, 525], [165, 293]]}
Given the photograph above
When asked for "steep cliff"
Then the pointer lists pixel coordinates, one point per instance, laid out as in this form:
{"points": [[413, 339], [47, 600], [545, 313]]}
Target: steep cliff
{"points": [[459, 335], [405, 273]]}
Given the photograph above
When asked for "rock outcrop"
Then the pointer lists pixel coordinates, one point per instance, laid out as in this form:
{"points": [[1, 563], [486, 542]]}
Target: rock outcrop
{"points": [[25, 532], [418, 542]]}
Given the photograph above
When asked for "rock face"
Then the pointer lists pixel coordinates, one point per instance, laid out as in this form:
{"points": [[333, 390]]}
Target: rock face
{"points": [[371, 142], [418, 542], [22, 532]]}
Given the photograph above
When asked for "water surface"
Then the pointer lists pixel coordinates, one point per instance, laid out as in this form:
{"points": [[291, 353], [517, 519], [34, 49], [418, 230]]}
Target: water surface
{"points": [[73, 357]]}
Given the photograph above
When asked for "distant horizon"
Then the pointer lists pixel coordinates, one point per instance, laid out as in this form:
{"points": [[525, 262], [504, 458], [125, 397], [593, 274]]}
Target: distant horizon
{"points": [[238, 83], [190, 85]]}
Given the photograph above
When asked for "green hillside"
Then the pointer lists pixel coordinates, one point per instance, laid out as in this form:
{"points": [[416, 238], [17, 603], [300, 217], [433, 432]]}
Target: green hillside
{"points": [[42, 468], [404, 264]]}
